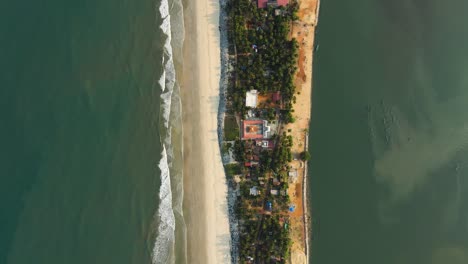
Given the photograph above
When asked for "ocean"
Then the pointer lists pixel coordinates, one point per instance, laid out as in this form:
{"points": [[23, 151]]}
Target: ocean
{"points": [[388, 137], [90, 166]]}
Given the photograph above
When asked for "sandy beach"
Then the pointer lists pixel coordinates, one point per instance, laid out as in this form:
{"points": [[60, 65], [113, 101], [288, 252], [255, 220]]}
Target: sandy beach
{"points": [[304, 32], [205, 189]]}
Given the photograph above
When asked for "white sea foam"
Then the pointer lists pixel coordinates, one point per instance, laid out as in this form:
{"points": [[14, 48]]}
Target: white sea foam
{"points": [[167, 83], [163, 249], [166, 220]]}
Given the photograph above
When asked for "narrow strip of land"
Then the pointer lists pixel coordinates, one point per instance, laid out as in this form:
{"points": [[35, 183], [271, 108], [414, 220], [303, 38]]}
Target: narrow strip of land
{"points": [[303, 31], [266, 125]]}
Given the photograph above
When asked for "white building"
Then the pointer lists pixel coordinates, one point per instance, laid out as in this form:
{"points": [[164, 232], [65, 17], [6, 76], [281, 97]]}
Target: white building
{"points": [[254, 191], [266, 129], [251, 98]]}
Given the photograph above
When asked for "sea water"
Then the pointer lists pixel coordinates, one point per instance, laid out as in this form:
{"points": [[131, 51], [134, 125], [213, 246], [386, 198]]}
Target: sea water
{"points": [[389, 133], [90, 135]]}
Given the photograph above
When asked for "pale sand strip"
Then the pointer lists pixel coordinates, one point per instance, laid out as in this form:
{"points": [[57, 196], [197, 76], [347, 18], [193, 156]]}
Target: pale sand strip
{"points": [[205, 189], [304, 32]]}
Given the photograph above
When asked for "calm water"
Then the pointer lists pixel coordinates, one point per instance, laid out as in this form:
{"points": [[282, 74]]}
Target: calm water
{"points": [[81, 131], [389, 135]]}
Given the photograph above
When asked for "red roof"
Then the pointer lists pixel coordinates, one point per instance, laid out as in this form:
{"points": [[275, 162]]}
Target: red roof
{"points": [[252, 129], [263, 3], [276, 96], [282, 2], [271, 144]]}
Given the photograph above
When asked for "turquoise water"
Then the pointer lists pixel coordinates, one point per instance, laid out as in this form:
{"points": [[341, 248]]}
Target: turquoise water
{"points": [[389, 133], [80, 130]]}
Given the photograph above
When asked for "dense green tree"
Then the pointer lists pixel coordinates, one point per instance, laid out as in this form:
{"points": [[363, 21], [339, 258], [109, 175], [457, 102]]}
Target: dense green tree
{"points": [[305, 155]]}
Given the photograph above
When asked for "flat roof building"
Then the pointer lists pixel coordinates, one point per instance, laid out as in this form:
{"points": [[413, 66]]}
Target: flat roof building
{"points": [[251, 98], [255, 129], [254, 191]]}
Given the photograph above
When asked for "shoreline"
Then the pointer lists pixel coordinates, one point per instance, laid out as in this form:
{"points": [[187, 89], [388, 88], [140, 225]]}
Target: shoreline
{"points": [[304, 32], [205, 186], [307, 212]]}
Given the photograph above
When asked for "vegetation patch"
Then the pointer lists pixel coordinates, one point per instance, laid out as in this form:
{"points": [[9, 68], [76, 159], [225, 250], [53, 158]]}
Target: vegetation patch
{"points": [[232, 169], [264, 58], [265, 55], [231, 129]]}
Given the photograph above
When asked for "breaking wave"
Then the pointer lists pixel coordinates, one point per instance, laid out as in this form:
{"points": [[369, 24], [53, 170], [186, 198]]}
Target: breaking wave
{"points": [[166, 220], [169, 212]]}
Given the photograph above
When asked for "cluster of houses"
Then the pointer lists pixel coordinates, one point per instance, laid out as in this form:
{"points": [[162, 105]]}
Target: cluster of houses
{"points": [[253, 149], [257, 129], [274, 187], [253, 128], [256, 132], [257, 135]]}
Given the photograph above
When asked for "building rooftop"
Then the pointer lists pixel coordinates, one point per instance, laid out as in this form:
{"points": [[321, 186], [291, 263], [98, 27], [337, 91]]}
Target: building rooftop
{"points": [[252, 129], [268, 143], [251, 98], [250, 164], [276, 96], [255, 129], [265, 3], [254, 191], [276, 181]]}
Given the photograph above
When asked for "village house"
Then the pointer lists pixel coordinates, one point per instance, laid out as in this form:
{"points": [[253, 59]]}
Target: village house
{"points": [[254, 191], [276, 182], [269, 144], [255, 129], [251, 98], [278, 12], [272, 3], [251, 164]]}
